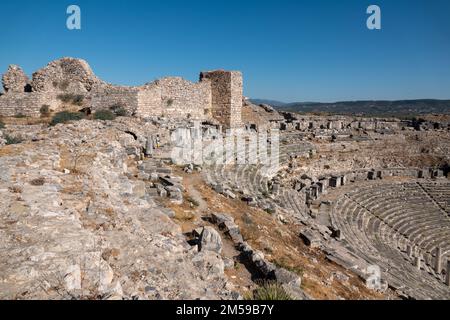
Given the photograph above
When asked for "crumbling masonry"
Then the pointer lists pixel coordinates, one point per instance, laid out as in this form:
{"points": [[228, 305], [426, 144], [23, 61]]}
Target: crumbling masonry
{"points": [[217, 97]]}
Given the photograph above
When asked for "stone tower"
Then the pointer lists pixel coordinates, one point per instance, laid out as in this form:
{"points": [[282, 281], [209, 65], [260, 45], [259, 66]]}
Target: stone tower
{"points": [[15, 80], [226, 89]]}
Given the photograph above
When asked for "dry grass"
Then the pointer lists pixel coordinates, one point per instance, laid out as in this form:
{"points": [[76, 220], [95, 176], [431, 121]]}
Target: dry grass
{"points": [[15, 189], [10, 150], [77, 162], [26, 121], [287, 249]]}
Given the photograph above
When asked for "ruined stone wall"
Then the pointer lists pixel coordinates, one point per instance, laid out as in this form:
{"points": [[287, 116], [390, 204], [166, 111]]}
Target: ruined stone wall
{"points": [[65, 75], [236, 99], [171, 97], [15, 80], [226, 89], [27, 104], [339, 123], [107, 96], [149, 101], [184, 98], [217, 95]]}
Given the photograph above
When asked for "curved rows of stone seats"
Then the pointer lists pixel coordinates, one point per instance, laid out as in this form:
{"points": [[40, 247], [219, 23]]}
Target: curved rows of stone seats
{"points": [[253, 180], [410, 220], [439, 192], [336, 180], [400, 228]]}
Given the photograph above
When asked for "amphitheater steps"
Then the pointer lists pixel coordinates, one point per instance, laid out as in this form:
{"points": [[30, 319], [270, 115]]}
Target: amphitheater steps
{"points": [[444, 205], [380, 221]]}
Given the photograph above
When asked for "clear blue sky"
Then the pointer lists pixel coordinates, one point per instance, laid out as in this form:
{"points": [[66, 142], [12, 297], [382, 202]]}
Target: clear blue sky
{"points": [[315, 50]]}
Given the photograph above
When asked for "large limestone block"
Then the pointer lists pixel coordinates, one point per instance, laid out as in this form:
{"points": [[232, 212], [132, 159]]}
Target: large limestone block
{"points": [[210, 240]]}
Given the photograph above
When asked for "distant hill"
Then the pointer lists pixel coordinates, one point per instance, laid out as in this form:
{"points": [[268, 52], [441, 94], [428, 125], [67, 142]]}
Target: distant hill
{"points": [[269, 102], [399, 108]]}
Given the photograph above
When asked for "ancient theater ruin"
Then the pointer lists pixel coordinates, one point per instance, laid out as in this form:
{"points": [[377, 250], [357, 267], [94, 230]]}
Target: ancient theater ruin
{"points": [[357, 208]]}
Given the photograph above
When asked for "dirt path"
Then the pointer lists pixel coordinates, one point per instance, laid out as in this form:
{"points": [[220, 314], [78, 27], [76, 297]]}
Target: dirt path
{"points": [[190, 183]]}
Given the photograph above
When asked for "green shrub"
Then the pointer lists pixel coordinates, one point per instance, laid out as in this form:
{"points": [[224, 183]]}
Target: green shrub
{"points": [[194, 202], [65, 116], [269, 290], [170, 102], [76, 99], [65, 97], [104, 115], [20, 116], [44, 110], [119, 110], [2, 125], [37, 182], [270, 210], [12, 140]]}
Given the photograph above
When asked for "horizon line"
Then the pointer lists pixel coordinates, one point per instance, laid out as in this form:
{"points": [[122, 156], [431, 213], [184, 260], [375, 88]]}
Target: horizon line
{"points": [[352, 100]]}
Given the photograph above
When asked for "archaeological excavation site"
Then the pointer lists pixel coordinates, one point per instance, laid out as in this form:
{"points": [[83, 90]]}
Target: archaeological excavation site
{"points": [[180, 190]]}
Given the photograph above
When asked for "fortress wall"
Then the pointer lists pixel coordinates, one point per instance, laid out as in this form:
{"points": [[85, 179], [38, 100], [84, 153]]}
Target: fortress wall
{"points": [[226, 96], [236, 99], [149, 101], [104, 97], [27, 104], [173, 97], [217, 95], [183, 98]]}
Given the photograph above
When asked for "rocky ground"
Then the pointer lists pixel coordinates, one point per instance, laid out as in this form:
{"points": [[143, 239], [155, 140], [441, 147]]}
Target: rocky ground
{"points": [[85, 215], [75, 222]]}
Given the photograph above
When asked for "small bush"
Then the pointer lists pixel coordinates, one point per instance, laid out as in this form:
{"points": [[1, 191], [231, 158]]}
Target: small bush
{"points": [[66, 97], [12, 140], [119, 110], [76, 99], [270, 210], [269, 290], [44, 111], [104, 115], [15, 189], [65, 116], [37, 182], [20, 116], [2, 125], [169, 102], [194, 202]]}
